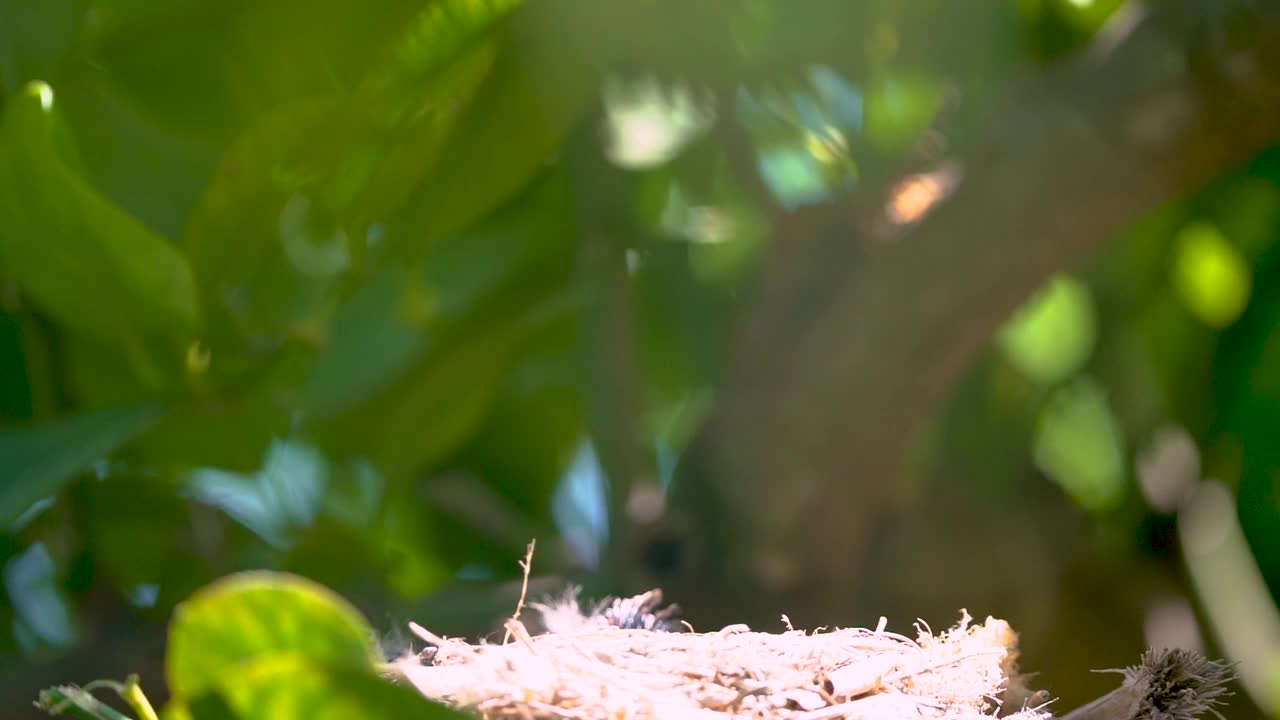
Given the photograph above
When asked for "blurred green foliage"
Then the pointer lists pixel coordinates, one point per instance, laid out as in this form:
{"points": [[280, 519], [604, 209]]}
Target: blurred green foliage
{"points": [[328, 287], [259, 644]]}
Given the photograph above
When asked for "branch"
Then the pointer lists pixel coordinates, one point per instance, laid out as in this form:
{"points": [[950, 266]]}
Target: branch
{"points": [[854, 334]]}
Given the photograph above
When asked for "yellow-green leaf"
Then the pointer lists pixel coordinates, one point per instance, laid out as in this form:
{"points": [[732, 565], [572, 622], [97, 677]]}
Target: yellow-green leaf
{"points": [[292, 688], [250, 616], [91, 266]]}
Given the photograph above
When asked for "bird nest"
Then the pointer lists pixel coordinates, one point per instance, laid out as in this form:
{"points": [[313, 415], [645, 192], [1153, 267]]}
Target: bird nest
{"points": [[631, 660]]}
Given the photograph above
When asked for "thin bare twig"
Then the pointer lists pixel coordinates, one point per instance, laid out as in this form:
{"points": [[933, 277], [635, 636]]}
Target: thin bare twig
{"points": [[526, 566]]}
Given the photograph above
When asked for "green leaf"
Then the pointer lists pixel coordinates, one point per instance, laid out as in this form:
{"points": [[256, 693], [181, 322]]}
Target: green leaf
{"points": [[134, 510], [513, 129], [407, 545], [34, 37], [150, 172], [433, 410], [250, 616], [389, 313], [424, 89], [535, 427], [26, 385], [401, 312], [71, 701], [313, 178], [38, 461], [292, 688], [213, 66], [91, 266]]}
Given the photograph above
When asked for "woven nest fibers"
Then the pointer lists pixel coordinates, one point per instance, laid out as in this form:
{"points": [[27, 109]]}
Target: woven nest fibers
{"points": [[588, 668]]}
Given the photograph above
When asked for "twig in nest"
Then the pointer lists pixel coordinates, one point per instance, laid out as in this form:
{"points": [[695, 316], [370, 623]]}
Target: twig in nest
{"points": [[642, 612], [525, 565], [1166, 685]]}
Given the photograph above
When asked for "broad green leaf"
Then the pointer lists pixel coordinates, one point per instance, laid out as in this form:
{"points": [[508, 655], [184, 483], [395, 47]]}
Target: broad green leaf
{"points": [[133, 511], [89, 265], [27, 385], [378, 332], [438, 34], [387, 325], [513, 129], [233, 430], [293, 688], [151, 172], [169, 62], [424, 89], [314, 177], [534, 429], [253, 208], [214, 66], [408, 545], [34, 37], [433, 410], [419, 120], [35, 463], [246, 617], [352, 148], [116, 15]]}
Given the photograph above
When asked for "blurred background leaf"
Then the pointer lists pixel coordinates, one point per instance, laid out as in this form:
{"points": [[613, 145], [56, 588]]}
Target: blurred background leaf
{"points": [[835, 309]]}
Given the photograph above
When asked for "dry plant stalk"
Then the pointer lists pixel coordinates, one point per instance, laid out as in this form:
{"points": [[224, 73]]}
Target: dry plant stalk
{"points": [[590, 669]]}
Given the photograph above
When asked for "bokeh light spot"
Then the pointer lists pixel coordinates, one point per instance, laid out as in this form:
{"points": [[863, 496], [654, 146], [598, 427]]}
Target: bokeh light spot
{"points": [[1170, 622], [1210, 276], [1078, 445], [1053, 334], [648, 125], [42, 92], [841, 101], [1169, 468], [827, 146], [917, 195], [580, 508], [314, 243], [794, 175], [31, 583], [898, 109]]}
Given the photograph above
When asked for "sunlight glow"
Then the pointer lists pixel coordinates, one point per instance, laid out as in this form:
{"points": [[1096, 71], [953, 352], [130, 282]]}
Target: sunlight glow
{"points": [[649, 125], [917, 195], [1210, 275], [43, 93]]}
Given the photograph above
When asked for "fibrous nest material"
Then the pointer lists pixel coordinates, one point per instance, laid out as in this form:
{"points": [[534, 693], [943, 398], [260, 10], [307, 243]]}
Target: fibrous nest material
{"points": [[587, 667]]}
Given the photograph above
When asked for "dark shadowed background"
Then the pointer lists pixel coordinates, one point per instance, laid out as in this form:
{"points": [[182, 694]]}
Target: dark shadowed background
{"points": [[834, 309]]}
